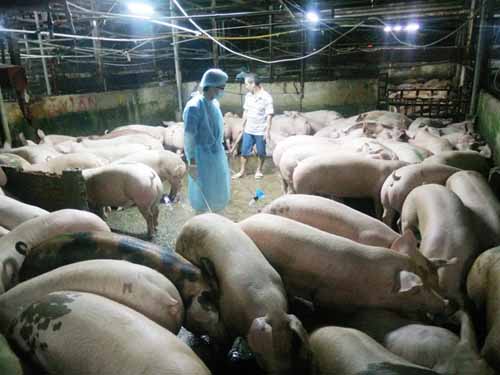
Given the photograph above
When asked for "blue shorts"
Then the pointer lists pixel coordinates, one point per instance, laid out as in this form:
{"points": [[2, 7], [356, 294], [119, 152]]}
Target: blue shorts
{"points": [[247, 144]]}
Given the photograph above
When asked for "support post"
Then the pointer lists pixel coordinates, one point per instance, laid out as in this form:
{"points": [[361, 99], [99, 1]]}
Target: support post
{"points": [[27, 49], [215, 47], [468, 43], [270, 43], [42, 54], [97, 48], [302, 69], [5, 122], [178, 73], [480, 52]]}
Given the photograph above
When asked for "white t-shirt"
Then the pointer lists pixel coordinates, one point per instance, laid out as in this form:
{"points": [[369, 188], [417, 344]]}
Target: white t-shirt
{"points": [[258, 106]]}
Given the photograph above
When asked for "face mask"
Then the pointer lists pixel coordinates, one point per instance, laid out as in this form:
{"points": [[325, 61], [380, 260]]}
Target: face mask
{"points": [[219, 95]]}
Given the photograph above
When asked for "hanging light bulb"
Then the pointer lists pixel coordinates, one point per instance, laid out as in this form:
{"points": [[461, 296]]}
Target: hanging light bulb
{"points": [[412, 27], [140, 8], [312, 16]]}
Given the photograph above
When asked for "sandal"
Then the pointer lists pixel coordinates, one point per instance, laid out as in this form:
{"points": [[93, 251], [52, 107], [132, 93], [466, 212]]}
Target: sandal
{"points": [[237, 175]]}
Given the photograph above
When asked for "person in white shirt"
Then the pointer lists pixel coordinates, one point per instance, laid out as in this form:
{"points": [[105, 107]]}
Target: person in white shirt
{"points": [[257, 121]]}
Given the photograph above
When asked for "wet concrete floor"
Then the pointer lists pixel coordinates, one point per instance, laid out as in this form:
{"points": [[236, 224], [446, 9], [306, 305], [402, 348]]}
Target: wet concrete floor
{"points": [[173, 216]]}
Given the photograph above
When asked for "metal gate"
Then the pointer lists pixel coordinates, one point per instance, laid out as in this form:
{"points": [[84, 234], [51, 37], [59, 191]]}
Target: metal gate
{"points": [[434, 103]]}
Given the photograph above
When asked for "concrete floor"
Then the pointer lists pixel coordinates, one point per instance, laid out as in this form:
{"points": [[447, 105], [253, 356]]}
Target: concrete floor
{"points": [[173, 216]]}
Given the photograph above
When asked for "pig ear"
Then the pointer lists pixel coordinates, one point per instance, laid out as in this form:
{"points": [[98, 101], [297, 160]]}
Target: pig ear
{"points": [[409, 282], [208, 270], [406, 244]]}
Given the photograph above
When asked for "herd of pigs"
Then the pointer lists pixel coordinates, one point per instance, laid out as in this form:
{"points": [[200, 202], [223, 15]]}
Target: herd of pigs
{"points": [[312, 284]]}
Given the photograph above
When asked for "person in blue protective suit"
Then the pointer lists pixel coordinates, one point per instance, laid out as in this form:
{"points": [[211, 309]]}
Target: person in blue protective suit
{"points": [[209, 187]]}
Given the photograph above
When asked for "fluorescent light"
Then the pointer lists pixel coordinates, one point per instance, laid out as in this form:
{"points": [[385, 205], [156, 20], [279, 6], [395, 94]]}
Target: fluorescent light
{"points": [[387, 29], [312, 17], [412, 27], [397, 28], [140, 8]]}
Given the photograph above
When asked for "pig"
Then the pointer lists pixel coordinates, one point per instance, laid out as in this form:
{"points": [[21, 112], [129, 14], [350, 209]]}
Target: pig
{"points": [[34, 154], [311, 261], [13, 160], [251, 296], [284, 126], [346, 351], [468, 160], [80, 160], [422, 122], [125, 185], [233, 127], [376, 130], [476, 194], [91, 144], [402, 181], [296, 153], [14, 212], [435, 144], [333, 217], [152, 131], [110, 154], [405, 151], [422, 344], [458, 127], [54, 139], [387, 118], [335, 128], [294, 140], [318, 119], [344, 176], [84, 333], [168, 165], [446, 230], [483, 288], [202, 316], [138, 287], [173, 137], [18, 242]]}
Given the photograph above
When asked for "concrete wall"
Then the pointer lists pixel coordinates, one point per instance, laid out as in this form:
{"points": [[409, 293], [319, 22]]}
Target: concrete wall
{"points": [[489, 122], [401, 72], [96, 112], [345, 96]]}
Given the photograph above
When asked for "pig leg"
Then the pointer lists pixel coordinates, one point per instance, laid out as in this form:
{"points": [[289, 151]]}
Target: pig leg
{"points": [[174, 189], [147, 214], [284, 186], [156, 213]]}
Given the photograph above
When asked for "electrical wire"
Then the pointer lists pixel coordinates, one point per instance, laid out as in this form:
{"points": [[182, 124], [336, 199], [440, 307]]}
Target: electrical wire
{"points": [[312, 53], [71, 36], [143, 18], [424, 45], [255, 58]]}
